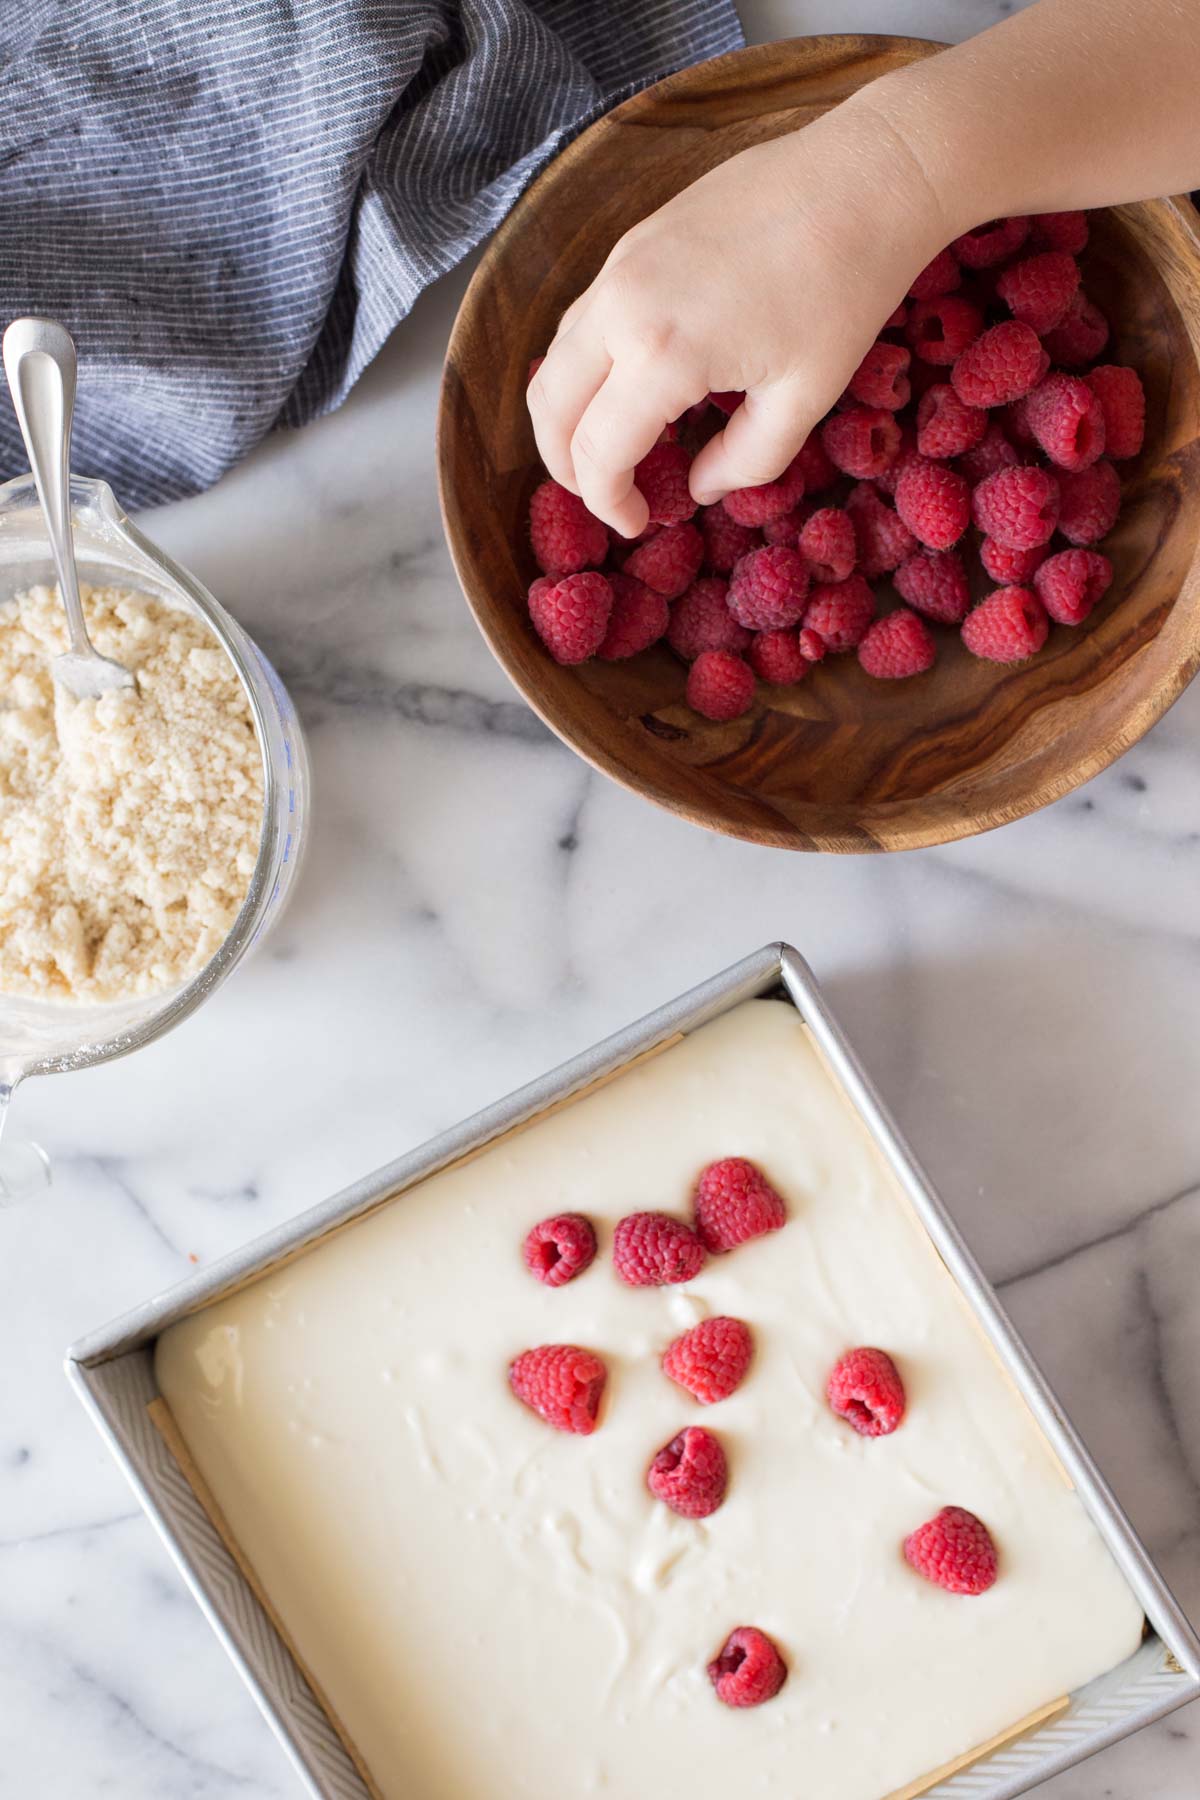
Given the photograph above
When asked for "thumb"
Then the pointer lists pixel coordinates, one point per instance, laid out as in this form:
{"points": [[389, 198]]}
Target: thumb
{"points": [[757, 444]]}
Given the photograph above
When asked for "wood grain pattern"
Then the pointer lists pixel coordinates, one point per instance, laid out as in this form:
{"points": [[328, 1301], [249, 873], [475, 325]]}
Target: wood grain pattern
{"points": [[842, 762]]}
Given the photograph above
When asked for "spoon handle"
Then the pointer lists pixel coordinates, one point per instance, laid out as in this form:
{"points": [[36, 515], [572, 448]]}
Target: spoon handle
{"points": [[39, 361]]}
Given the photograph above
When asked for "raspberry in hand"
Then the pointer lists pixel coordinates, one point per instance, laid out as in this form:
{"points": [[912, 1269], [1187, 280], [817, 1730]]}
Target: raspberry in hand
{"points": [[666, 323]]}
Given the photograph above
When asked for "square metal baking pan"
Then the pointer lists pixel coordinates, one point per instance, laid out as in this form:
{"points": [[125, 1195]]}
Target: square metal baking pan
{"points": [[113, 1372]]}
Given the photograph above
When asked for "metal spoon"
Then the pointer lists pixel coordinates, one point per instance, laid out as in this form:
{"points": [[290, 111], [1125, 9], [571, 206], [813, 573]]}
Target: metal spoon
{"points": [[39, 361]]}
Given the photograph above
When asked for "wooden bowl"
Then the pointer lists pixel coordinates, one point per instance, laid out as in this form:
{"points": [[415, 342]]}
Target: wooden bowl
{"points": [[841, 762]]}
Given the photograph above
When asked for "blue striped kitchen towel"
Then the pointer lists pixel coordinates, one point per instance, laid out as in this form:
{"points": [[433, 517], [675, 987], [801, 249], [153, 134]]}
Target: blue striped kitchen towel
{"points": [[231, 203]]}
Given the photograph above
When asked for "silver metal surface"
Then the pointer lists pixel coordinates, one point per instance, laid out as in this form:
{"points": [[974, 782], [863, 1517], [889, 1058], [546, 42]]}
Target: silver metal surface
{"points": [[39, 361], [112, 1370]]}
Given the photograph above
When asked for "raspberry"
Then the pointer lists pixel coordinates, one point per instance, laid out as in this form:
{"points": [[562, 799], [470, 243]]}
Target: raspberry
{"points": [[940, 330], [747, 1669], [711, 1359], [1039, 289], [702, 621], [993, 452], [881, 378], [895, 319], [755, 505], [934, 502], [883, 538], [819, 473], [1008, 567], [828, 544], [651, 1249], [1018, 507], [1081, 336], [934, 582], [534, 366], [724, 539], [1008, 626], [669, 561], [787, 527], [865, 1389], [999, 366], [1070, 584], [945, 426], [571, 615], [661, 478], [1123, 403], [955, 1550], [897, 646], [768, 588], [812, 644], [690, 1474], [1060, 231], [1091, 500], [1067, 420], [638, 619], [728, 400], [564, 534], [840, 612], [776, 656], [939, 277], [559, 1248], [720, 686], [734, 1203], [861, 441], [885, 483], [991, 243], [562, 1384]]}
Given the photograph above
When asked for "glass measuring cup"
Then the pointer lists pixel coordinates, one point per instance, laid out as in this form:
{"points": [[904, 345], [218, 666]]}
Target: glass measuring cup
{"points": [[40, 1037]]}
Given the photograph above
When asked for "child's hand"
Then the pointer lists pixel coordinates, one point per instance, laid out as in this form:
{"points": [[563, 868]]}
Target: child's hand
{"points": [[773, 274]]}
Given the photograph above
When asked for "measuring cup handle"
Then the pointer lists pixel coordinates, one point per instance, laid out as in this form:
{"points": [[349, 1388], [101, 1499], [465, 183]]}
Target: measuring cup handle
{"points": [[39, 361]]}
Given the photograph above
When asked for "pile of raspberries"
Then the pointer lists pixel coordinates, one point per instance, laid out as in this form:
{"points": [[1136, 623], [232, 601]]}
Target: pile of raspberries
{"points": [[564, 1384], [982, 403]]}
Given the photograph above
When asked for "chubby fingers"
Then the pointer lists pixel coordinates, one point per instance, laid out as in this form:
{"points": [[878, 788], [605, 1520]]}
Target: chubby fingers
{"points": [[596, 414], [573, 369], [757, 444], [624, 420]]}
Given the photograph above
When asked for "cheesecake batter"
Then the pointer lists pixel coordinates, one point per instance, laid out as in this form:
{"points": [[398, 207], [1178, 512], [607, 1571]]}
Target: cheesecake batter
{"points": [[498, 1611]]}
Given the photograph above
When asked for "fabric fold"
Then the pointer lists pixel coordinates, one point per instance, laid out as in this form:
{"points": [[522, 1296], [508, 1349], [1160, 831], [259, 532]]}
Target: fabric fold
{"points": [[232, 204]]}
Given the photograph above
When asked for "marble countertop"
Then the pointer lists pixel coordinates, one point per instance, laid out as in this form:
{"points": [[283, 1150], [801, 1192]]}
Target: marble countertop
{"points": [[479, 905]]}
